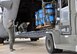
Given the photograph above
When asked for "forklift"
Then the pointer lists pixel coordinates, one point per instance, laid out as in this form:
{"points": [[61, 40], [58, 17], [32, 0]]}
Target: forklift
{"points": [[64, 35]]}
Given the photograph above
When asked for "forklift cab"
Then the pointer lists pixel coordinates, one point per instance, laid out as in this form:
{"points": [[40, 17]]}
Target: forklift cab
{"points": [[64, 36]]}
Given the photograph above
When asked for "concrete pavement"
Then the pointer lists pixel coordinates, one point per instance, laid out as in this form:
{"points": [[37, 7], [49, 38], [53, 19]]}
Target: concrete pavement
{"points": [[25, 46]]}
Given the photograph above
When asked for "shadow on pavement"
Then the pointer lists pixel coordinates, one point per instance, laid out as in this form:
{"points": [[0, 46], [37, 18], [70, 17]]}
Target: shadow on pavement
{"points": [[66, 52]]}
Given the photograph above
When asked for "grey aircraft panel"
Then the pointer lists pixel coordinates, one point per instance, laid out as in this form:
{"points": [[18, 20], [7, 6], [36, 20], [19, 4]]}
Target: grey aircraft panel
{"points": [[9, 13]]}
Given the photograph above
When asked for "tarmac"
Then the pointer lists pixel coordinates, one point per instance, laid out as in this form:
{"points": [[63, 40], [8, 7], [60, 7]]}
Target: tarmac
{"points": [[25, 46]]}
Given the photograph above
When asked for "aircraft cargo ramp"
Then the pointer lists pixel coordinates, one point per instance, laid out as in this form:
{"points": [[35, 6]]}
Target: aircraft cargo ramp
{"points": [[34, 34]]}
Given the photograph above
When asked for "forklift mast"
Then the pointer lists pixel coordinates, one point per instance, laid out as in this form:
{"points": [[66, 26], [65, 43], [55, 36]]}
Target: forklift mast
{"points": [[73, 16]]}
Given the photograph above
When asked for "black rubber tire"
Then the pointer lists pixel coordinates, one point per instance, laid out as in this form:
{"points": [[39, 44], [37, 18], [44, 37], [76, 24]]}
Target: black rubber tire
{"points": [[34, 39], [49, 44], [1, 40]]}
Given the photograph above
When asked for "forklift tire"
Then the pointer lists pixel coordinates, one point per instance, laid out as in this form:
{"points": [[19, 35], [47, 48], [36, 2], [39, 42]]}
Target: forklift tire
{"points": [[49, 44], [34, 39], [1, 40]]}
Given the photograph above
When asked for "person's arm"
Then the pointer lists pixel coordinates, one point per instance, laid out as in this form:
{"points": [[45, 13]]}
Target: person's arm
{"points": [[7, 4]]}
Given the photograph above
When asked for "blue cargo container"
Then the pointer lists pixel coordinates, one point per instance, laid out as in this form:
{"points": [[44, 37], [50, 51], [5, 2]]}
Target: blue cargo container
{"points": [[40, 16]]}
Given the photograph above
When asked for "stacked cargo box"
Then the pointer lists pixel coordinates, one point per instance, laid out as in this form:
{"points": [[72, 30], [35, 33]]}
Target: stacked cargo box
{"points": [[44, 20]]}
